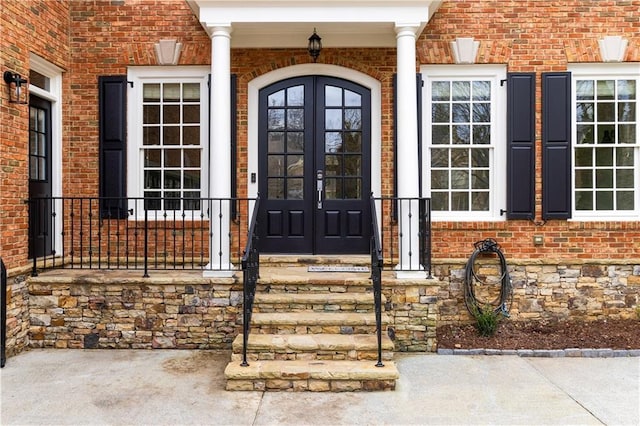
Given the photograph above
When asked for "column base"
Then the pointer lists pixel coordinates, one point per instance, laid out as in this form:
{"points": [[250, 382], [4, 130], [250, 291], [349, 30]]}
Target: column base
{"points": [[218, 271]]}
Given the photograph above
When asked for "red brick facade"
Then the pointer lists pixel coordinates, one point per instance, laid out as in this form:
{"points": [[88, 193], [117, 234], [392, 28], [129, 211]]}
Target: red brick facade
{"points": [[88, 39]]}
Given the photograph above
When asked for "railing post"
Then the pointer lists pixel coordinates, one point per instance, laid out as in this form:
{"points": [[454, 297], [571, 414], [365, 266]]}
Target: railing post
{"points": [[3, 313], [146, 243], [33, 219]]}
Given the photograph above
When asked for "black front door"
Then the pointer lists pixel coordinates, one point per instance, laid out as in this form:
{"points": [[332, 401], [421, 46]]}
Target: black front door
{"points": [[40, 177], [315, 166]]}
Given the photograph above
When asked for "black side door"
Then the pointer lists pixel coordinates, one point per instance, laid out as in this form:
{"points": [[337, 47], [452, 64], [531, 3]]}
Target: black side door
{"points": [[40, 178]]}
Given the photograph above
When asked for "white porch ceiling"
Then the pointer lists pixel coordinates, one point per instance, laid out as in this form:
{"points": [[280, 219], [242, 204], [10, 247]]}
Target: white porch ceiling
{"points": [[288, 24]]}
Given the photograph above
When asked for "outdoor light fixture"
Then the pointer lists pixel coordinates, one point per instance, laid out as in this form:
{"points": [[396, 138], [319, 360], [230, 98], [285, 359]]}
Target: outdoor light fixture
{"points": [[612, 48], [315, 45], [465, 50], [18, 88]]}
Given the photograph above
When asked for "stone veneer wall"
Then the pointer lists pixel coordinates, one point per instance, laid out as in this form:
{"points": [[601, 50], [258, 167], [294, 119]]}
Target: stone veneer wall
{"points": [[163, 313], [17, 300]]}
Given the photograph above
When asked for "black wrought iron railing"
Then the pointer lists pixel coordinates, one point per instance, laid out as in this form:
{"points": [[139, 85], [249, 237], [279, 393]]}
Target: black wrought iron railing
{"points": [[137, 233], [251, 274], [3, 313], [377, 264], [405, 232]]}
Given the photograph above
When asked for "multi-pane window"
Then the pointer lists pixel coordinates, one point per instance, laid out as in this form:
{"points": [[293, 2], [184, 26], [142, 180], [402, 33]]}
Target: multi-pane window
{"points": [[461, 147], [171, 145], [464, 141], [605, 154]]}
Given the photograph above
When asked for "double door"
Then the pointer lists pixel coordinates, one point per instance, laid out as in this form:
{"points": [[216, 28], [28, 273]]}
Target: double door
{"points": [[315, 166]]}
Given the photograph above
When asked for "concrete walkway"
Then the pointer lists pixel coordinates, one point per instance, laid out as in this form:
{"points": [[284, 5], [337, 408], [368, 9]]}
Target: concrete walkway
{"points": [[174, 387]]}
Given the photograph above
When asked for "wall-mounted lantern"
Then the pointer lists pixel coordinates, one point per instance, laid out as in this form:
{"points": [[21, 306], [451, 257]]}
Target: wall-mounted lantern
{"points": [[315, 45], [18, 87]]}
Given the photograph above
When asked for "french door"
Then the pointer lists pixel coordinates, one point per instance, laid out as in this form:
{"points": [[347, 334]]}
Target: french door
{"points": [[314, 166]]}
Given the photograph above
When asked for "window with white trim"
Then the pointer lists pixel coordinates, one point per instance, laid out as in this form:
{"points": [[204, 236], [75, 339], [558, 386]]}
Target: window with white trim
{"points": [[464, 166], [168, 128], [606, 141]]}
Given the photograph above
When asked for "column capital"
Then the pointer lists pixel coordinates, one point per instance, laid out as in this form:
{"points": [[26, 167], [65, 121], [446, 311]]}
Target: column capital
{"points": [[403, 29], [219, 29]]}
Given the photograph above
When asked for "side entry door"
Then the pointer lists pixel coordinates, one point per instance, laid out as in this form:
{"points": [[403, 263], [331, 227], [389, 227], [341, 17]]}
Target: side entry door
{"points": [[40, 178]]}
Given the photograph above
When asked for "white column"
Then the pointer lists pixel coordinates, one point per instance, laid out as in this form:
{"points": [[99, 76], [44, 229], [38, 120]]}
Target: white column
{"points": [[407, 128], [220, 154]]}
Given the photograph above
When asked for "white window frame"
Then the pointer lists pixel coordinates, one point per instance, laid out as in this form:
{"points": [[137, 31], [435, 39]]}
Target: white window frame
{"points": [[599, 71], [138, 76], [497, 74]]}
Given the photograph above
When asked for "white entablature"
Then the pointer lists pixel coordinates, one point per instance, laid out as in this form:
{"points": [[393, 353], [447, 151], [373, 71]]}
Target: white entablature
{"points": [[287, 23]]}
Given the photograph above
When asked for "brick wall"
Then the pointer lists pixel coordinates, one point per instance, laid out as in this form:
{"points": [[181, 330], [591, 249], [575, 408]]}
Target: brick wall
{"points": [[30, 26], [535, 36]]}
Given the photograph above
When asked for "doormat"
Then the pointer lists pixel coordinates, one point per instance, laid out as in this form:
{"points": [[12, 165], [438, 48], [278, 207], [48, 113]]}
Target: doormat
{"points": [[338, 268]]}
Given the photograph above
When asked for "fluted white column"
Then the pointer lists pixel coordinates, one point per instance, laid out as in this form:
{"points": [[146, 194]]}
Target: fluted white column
{"points": [[220, 154], [407, 128]]}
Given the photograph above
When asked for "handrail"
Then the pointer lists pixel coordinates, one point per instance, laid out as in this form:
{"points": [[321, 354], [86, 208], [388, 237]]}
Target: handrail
{"points": [[3, 314], [377, 264], [250, 276]]}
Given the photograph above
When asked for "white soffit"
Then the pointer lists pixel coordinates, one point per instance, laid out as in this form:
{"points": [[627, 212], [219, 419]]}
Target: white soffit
{"points": [[288, 24]]}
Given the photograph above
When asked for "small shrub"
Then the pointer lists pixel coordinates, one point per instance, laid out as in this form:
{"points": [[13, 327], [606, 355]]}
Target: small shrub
{"points": [[487, 321]]}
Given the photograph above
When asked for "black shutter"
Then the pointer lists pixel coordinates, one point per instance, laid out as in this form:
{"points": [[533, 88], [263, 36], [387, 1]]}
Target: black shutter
{"points": [[556, 145], [521, 105], [113, 145]]}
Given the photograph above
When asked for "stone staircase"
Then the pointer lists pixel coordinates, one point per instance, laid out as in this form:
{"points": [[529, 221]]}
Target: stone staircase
{"points": [[313, 331]]}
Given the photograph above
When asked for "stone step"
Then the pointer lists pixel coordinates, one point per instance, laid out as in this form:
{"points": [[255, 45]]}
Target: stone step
{"points": [[313, 346], [313, 375], [329, 302], [280, 260], [316, 318], [311, 322]]}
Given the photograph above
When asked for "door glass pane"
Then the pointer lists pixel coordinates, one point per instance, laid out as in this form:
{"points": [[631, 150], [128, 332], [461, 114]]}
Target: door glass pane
{"points": [[295, 142], [276, 119], [276, 99], [333, 119], [275, 142], [295, 165], [352, 189], [333, 142], [333, 96], [352, 165], [276, 165], [352, 98], [353, 141], [295, 189], [295, 96], [352, 119], [295, 119], [275, 188], [332, 165]]}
